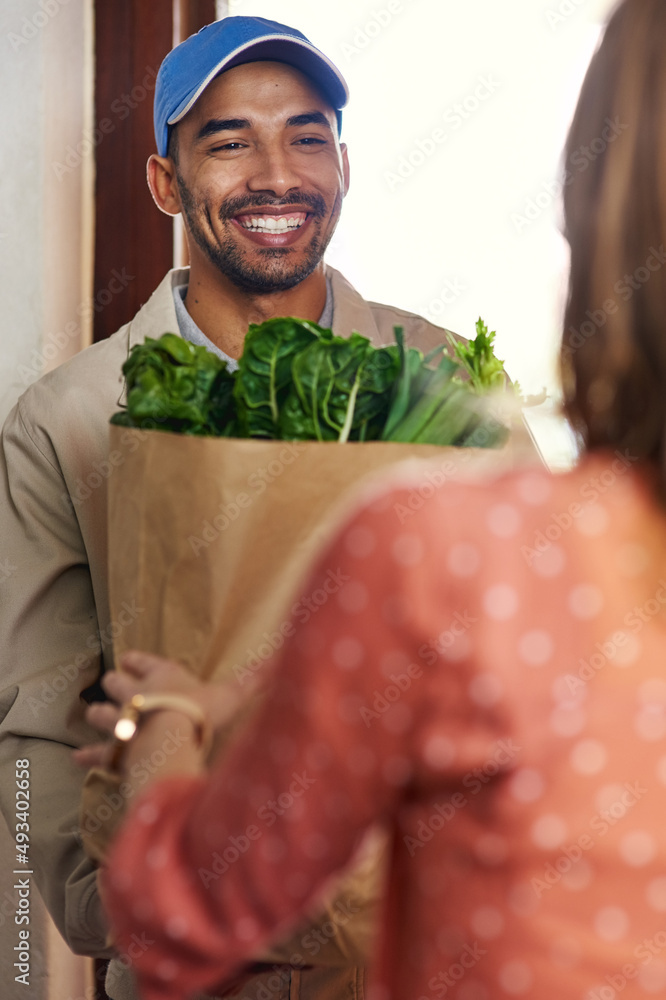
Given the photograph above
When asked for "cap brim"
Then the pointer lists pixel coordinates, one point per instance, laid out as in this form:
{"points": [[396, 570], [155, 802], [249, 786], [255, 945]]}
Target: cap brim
{"points": [[282, 48]]}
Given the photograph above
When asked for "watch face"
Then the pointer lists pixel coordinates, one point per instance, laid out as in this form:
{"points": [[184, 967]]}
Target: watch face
{"points": [[125, 729]]}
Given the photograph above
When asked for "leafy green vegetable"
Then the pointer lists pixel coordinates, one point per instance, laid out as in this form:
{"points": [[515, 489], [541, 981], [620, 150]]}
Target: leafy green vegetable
{"points": [[264, 372], [297, 381], [485, 371], [339, 390], [173, 385], [433, 388], [380, 371], [411, 363]]}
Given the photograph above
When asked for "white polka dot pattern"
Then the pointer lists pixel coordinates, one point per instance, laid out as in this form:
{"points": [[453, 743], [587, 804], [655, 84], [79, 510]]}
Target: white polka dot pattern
{"points": [[407, 550], [463, 560], [347, 653], [611, 923], [515, 978], [504, 520], [501, 602], [478, 682], [585, 601], [638, 848], [588, 757], [535, 647], [549, 831]]}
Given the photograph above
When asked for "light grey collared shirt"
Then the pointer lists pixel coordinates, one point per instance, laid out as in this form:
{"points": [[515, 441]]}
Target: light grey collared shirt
{"points": [[190, 331]]}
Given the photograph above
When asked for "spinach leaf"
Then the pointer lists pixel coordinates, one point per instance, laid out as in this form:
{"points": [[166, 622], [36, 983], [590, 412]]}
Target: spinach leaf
{"points": [[380, 371], [263, 380], [340, 390], [324, 389], [176, 386]]}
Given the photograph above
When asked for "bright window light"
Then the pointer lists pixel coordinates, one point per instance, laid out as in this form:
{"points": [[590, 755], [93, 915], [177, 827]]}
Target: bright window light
{"points": [[457, 118]]}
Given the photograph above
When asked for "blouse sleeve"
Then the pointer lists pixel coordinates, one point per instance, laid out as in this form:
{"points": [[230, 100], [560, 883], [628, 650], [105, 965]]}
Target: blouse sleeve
{"points": [[207, 870]]}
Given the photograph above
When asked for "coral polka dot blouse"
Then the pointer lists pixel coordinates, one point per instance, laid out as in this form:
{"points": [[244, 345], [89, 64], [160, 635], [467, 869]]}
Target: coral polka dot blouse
{"points": [[489, 682]]}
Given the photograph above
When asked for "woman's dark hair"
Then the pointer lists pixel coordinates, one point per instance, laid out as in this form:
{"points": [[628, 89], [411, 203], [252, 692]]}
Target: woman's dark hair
{"points": [[613, 356]]}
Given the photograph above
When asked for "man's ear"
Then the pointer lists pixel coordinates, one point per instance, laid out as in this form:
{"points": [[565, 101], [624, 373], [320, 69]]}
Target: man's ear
{"points": [[161, 177], [345, 165]]}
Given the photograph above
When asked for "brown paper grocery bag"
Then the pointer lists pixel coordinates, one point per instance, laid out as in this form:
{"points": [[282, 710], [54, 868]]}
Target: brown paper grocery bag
{"points": [[210, 541], [212, 537]]}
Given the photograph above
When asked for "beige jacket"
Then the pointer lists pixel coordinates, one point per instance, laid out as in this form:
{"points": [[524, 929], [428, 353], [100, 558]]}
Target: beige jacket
{"points": [[55, 633]]}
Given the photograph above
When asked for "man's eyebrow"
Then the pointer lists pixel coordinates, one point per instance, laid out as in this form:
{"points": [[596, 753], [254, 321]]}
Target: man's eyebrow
{"points": [[309, 118], [214, 125]]}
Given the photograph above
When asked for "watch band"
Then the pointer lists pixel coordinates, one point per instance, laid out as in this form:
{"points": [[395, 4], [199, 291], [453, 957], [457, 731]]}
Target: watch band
{"points": [[143, 704]]}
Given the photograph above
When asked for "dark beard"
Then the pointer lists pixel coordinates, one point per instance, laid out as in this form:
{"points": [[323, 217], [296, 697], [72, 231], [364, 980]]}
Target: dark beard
{"points": [[275, 275]]}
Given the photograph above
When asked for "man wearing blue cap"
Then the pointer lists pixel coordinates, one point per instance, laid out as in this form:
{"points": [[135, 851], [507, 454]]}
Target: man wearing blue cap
{"points": [[247, 122]]}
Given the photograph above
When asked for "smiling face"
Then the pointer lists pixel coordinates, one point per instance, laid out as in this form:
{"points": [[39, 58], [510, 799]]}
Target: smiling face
{"points": [[261, 176]]}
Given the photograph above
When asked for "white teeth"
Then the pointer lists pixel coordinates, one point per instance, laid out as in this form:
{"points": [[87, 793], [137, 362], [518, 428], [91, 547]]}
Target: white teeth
{"points": [[269, 224]]}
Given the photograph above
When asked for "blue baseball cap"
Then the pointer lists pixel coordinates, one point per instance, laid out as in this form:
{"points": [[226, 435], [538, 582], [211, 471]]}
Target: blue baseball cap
{"points": [[190, 67]]}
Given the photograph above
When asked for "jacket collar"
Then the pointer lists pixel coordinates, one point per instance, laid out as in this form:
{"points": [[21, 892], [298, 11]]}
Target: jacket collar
{"points": [[350, 310], [158, 315]]}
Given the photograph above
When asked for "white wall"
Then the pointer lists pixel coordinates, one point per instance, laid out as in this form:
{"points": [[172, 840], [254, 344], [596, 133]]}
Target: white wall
{"points": [[45, 240], [45, 186]]}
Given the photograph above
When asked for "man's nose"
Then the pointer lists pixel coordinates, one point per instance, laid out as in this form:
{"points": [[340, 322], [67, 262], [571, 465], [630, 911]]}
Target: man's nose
{"points": [[274, 170]]}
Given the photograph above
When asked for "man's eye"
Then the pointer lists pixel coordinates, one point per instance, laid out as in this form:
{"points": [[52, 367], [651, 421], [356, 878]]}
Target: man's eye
{"points": [[227, 146], [310, 140]]}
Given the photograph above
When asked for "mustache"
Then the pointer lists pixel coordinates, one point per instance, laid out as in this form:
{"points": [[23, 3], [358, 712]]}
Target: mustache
{"points": [[235, 206]]}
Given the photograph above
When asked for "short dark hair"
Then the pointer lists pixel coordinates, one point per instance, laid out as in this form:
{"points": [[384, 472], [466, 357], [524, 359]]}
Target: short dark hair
{"points": [[172, 143]]}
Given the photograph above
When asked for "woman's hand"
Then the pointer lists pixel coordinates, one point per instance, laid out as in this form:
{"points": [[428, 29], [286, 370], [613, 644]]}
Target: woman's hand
{"points": [[143, 673]]}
